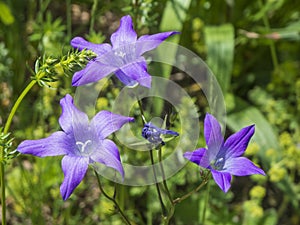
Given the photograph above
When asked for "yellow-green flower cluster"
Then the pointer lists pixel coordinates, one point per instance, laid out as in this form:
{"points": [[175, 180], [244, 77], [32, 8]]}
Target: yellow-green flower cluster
{"points": [[252, 210], [257, 192], [277, 173]]}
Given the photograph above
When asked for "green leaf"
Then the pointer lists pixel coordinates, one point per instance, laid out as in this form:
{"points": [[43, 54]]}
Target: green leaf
{"points": [[219, 41], [6, 16], [174, 15]]}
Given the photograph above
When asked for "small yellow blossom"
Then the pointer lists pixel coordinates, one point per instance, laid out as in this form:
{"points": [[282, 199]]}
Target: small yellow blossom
{"points": [[276, 173], [258, 192]]}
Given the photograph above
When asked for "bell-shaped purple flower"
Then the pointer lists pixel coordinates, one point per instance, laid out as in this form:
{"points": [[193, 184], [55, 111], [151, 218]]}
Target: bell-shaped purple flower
{"points": [[224, 158], [82, 142], [124, 57]]}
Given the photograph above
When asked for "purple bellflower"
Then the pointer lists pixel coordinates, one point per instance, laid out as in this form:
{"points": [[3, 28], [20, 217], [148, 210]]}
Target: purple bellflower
{"points": [[82, 142], [123, 57], [224, 159], [152, 133]]}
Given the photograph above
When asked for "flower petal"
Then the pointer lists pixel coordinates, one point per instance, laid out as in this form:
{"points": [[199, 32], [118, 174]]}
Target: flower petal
{"points": [[108, 154], [222, 179], [99, 49], [57, 143], [213, 136], [71, 119], [105, 123], [241, 166], [148, 42], [74, 169], [125, 33], [237, 143], [135, 72], [195, 156], [93, 72]]}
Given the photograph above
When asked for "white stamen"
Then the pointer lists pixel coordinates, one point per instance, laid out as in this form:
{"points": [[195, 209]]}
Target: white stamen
{"points": [[83, 145], [121, 54]]}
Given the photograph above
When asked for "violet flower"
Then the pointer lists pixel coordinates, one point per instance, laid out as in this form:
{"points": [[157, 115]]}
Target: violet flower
{"points": [[224, 158], [152, 133], [124, 57], [82, 142]]}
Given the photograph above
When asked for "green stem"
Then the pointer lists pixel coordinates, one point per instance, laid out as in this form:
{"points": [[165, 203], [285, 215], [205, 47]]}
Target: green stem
{"points": [[16, 105], [172, 208], [141, 110], [93, 11], [69, 18], [3, 201], [272, 45], [204, 182], [206, 203], [163, 175], [5, 131], [126, 220], [157, 185]]}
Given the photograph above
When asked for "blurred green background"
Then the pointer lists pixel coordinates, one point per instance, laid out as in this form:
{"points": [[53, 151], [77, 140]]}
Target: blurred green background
{"points": [[253, 48]]}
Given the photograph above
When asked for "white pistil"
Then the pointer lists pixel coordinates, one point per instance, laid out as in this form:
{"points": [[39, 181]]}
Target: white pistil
{"points": [[83, 145]]}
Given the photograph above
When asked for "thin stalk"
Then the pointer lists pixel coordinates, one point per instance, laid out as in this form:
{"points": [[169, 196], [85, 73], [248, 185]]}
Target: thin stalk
{"points": [[272, 45], [126, 220], [141, 110], [204, 182], [93, 12], [3, 201], [136, 12], [69, 19], [163, 175], [5, 131], [206, 203], [172, 208], [16, 105], [156, 184]]}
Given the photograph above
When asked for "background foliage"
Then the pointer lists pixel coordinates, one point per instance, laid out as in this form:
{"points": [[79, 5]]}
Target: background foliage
{"points": [[251, 46]]}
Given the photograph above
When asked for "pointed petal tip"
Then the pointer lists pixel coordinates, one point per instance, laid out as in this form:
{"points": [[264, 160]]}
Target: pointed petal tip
{"points": [[260, 171], [67, 98], [174, 32], [75, 41], [126, 17], [222, 179]]}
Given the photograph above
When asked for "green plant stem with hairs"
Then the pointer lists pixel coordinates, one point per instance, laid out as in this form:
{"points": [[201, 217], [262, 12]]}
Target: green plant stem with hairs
{"points": [[5, 131], [201, 185], [205, 203], [172, 207], [112, 199], [163, 208]]}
